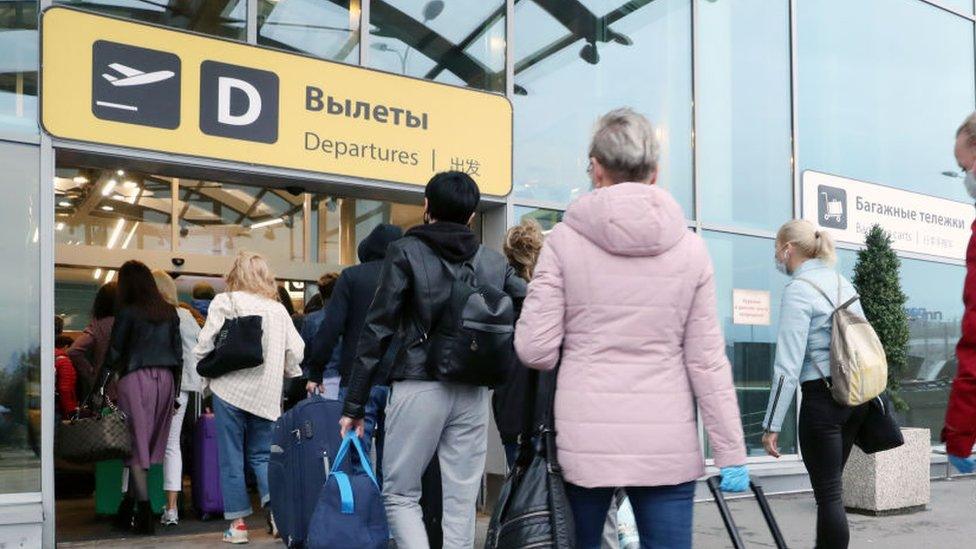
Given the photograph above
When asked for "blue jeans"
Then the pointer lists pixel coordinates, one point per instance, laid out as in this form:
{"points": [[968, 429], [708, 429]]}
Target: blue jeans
{"points": [[663, 514], [375, 417], [240, 432]]}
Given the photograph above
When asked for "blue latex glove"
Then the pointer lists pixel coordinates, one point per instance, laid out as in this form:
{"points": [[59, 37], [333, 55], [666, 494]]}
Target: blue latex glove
{"points": [[963, 465], [735, 479]]}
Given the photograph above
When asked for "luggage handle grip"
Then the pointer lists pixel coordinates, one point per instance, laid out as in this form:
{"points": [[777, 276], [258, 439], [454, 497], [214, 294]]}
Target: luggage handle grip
{"points": [[715, 486]]}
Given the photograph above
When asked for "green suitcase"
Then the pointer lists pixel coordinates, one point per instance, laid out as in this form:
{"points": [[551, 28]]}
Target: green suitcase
{"points": [[108, 487]]}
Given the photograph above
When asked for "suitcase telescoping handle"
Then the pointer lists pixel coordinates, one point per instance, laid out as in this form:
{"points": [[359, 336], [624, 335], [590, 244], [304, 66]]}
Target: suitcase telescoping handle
{"points": [[715, 483]]}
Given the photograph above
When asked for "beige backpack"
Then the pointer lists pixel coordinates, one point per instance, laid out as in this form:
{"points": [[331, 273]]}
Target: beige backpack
{"points": [[858, 365]]}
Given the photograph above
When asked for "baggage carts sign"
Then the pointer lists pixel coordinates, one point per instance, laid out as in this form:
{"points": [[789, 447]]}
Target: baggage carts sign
{"points": [[917, 223], [115, 82]]}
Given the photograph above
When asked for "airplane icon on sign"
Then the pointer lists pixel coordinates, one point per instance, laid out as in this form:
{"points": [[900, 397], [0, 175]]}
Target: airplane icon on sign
{"points": [[135, 77], [131, 77]]}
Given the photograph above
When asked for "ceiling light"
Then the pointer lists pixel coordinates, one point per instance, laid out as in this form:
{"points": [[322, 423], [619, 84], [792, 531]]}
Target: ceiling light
{"points": [[119, 173], [114, 239], [109, 276], [128, 237], [267, 223], [118, 197], [64, 204], [59, 226], [80, 179], [107, 208], [98, 274], [107, 189], [130, 184]]}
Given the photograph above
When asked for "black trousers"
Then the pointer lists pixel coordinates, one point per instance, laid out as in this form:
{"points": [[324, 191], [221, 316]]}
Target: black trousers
{"points": [[827, 431]]}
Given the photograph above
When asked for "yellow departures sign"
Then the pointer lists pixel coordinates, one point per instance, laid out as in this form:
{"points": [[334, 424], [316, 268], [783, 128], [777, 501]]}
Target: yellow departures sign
{"points": [[115, 82]]}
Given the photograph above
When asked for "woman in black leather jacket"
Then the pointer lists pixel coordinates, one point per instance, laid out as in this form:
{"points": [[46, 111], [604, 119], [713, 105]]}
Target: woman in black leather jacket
{"points": [[147, 354]]}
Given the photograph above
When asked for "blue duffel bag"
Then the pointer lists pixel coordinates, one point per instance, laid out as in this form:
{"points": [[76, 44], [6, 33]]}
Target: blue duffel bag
{"points": [[349, 512]]}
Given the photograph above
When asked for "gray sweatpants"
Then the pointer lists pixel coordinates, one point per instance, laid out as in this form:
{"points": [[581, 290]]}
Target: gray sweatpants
{"points": [[423, 417]]}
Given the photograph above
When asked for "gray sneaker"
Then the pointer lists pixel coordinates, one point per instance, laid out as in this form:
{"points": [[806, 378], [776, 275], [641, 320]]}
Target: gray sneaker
{"points": [[170, 517]]}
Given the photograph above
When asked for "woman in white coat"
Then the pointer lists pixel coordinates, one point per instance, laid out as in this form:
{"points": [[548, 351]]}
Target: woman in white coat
{"points": [[190, 383]]}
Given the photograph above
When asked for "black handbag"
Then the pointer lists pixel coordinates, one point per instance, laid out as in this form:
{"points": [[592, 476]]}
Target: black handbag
{"points": [[237, 345], [880, 431], [533, 508], [94, 433]]}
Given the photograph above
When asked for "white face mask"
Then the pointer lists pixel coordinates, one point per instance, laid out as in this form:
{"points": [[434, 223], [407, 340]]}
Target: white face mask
{"points": [[970, 183], [781, 263]]}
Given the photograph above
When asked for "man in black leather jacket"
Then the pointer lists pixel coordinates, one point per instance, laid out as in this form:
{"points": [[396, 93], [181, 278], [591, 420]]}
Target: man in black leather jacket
{"points": [[425, 415]]}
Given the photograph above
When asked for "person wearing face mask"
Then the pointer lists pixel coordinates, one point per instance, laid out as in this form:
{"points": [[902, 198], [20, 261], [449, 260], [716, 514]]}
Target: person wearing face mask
{"points": [[959, 432], [826, 429]]}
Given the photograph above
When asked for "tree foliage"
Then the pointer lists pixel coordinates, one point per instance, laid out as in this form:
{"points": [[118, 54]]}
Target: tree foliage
{"points": [[877, 280]]}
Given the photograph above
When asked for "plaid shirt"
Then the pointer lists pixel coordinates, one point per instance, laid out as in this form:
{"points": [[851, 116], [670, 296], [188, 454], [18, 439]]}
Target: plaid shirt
{"points": [[256, 390]]}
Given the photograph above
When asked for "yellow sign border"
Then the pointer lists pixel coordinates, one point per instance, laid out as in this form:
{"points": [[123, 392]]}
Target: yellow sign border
{"points": [[421, 92]]}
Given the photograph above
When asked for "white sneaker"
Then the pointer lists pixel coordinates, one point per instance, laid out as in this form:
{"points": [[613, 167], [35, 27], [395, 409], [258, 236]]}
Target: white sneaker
{"points": [[236, 535], [170, 517]]}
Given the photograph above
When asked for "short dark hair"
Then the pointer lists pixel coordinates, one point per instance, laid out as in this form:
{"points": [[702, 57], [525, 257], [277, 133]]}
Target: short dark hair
{"points": [[203, 290], [104, 305], [58, 325], [327, 283], [63, 341], [452, 197]]}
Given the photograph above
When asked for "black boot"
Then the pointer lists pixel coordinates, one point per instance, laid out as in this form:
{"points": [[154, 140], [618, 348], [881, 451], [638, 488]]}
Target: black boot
{"points": [[123, 517], [144, 523]]}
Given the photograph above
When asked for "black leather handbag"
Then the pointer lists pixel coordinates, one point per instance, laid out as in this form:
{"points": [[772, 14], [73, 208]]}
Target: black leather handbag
{"points": [[880, 431], [94, 433], [533, 509], [237, 346]]}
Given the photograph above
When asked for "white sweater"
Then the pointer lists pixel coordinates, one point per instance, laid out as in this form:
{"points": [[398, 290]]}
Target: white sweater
{"points": [[256, 390]]}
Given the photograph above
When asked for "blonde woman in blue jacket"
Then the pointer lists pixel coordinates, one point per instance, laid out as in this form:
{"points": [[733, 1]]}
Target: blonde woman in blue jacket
{"points": [[826, 429]]}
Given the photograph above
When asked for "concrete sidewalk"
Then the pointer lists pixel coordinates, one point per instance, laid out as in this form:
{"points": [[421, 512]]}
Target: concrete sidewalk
{"points": [[950, 521]]}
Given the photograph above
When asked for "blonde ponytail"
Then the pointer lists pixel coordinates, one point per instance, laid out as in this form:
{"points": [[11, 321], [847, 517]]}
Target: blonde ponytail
{"points": [[808, 240]]}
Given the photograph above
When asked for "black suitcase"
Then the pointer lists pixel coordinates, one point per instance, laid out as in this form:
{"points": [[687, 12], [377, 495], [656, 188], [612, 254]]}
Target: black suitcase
{"points": [[714, 484]]}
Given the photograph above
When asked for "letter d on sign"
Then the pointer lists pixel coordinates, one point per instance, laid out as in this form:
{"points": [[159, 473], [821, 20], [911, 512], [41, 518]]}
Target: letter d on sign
{"points": [[225, 85], [238, 102]]}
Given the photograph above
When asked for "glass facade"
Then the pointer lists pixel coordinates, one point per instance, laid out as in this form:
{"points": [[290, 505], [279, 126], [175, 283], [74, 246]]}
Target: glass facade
{"points": [[574, 63], [874, 95], [461, 42], [882, 91], [20, 330], [322, 28], [18, 70], [225, 18]]}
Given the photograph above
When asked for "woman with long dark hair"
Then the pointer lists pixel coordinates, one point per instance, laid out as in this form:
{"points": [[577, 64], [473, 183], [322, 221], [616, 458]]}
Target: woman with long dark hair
{"points": [[147, 354]]}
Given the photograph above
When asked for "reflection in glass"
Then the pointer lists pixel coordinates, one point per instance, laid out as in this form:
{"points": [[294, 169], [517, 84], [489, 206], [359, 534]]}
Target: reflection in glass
{"points": [[573, 65], [546, 218], [882, 91], [744, 117], [323, 28], [18, 69], [746, 263], [20, 383], [962, 6], [222, 219], [339, 225], [460, 42], [226, 18], [116, 209], [934, 310]]}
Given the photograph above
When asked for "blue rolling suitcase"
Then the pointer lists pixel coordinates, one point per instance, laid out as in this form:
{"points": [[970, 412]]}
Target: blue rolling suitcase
{"points": [[304, 444]]}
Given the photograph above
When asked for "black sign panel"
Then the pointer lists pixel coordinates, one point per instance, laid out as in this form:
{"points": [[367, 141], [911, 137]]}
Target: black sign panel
{"points": [[135, 85], [238, 102]]}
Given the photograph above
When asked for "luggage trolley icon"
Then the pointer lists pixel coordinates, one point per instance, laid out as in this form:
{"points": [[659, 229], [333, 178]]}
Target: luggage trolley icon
{"points": [[834, 209]]}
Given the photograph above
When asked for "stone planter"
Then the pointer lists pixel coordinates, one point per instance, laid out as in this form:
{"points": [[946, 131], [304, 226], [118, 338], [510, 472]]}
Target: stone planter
{"points": [[890, 483]]}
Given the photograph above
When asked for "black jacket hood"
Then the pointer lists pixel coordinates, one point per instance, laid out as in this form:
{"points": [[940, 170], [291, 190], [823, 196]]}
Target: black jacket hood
{"points": [[373, 247], [452, 241]]}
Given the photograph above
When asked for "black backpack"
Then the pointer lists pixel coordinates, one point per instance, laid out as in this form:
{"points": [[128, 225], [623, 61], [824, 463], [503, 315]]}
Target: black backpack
{"points": [[472, 342]]}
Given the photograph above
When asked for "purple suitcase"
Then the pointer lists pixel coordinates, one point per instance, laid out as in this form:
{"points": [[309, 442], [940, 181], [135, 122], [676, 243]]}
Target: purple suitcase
{"points": [[207, 498]]}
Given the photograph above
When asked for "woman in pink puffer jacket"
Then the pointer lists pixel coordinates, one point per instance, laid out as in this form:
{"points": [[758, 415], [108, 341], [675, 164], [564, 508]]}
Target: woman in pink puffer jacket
{"points": [[625, 293]]}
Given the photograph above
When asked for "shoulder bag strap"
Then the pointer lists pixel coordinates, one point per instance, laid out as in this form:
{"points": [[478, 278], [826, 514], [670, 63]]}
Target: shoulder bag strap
{"points": [[823, 374]]}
